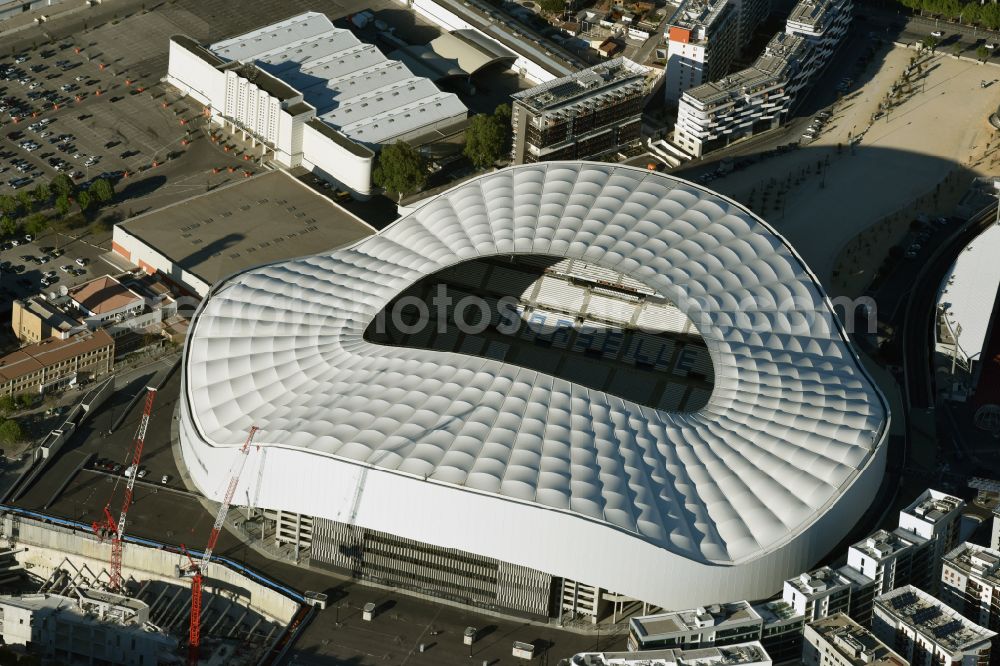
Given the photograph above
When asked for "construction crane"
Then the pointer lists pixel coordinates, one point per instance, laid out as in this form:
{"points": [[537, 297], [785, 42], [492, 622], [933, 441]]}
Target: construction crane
{"points": [[199, 568], [117, 528]]}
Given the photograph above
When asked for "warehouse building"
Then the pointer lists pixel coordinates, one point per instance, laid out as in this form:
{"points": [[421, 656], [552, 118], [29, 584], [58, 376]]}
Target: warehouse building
{"points": [[196, 242], [305, 93]]}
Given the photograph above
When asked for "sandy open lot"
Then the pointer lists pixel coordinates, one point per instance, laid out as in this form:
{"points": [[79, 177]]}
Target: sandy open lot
{"points": [[823, 195]]}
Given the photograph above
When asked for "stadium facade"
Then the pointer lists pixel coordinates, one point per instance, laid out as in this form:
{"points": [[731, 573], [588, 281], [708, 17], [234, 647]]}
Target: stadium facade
{"points": [[514, 475]]}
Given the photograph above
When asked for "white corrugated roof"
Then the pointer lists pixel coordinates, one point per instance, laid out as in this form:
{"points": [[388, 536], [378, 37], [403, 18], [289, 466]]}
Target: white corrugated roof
{"points": [[970, 288], [353, 86]]}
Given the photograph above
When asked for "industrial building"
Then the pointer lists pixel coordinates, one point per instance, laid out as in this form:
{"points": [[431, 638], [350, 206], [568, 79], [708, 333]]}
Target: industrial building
{"points": [[702, 41], [970, 583], [305, 93], [53, 363], [196, 242], [744, 654], [593, 112], [728, 108], [838, 640], [925, 631], [348, 425]]}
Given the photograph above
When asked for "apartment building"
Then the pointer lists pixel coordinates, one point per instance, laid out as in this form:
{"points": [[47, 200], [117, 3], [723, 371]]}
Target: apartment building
{"points": [[774, 624], [840, 641], [818, 594], [927, 632], [970, 583], [53, 363], [727, 108], [753, 100], [590, 113], [935, 516], [892, 559], [702, 41]]}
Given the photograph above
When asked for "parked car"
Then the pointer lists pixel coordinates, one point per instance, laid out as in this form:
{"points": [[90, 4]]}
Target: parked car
{"points": [[165, 479]]}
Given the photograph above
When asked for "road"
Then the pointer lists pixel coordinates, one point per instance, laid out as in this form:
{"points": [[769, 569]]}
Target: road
{"points": [[911, 29]]}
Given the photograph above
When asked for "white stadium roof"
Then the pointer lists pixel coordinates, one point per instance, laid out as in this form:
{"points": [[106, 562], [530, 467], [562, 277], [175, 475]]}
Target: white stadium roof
{"points": [[679, 509], [970, 288], [353, 86]]}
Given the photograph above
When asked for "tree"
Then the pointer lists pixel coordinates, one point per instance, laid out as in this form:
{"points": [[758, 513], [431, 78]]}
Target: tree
{"points": [[63, 185], [8, 205], [930, 43], [552, 5], [24, 198], [41, 193], [7, 404], [101, 190], [982, 52], [36, 224], [400, 169], [10, 431], [484, 140], [24, 400], [84, 200], [8, 227], [62, 205]]}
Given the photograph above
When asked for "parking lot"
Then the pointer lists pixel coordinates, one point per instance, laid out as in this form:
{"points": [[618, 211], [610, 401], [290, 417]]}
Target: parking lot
{"points": [[68, 260]]}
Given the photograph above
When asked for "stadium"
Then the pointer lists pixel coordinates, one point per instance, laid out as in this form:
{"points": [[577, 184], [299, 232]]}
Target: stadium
{"points": [[634, 390]]}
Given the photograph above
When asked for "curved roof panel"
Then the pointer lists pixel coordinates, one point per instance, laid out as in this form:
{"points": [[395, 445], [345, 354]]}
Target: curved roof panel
{"points": [[472, 50], [791, 420]]}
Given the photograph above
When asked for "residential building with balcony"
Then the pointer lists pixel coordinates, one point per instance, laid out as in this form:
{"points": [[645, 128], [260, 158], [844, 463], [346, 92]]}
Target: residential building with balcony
{"points": [[702, 41], [728, 108], [970, 583], [935, 516], [587, 114], [926, 631], [840, 641], [818, 594]]}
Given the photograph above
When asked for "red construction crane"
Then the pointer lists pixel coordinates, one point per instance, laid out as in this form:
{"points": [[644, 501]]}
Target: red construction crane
{"points": [[117, 529], [201, 566]]}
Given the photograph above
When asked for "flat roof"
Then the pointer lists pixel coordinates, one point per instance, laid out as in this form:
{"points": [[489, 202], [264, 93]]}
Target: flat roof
{"points": [[933, 619], [588, 87], [103, 294], [970, 288], [812, 12], [855, 644], [352, 85], [695, 619], [771, 68], [50, 351], [256, 221]]}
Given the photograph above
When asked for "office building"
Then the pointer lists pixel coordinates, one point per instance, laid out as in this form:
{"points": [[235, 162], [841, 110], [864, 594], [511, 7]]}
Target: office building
{"points": [[970, 583], [53, 363], [724, 109], [302, 92], [743, 654], [702, 41], [593, 112], [840, 641], [926, 632]]}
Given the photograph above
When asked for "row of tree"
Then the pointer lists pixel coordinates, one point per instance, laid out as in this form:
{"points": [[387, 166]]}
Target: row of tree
{"points": [[27, 210], [402, 169], [985, 15]]}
